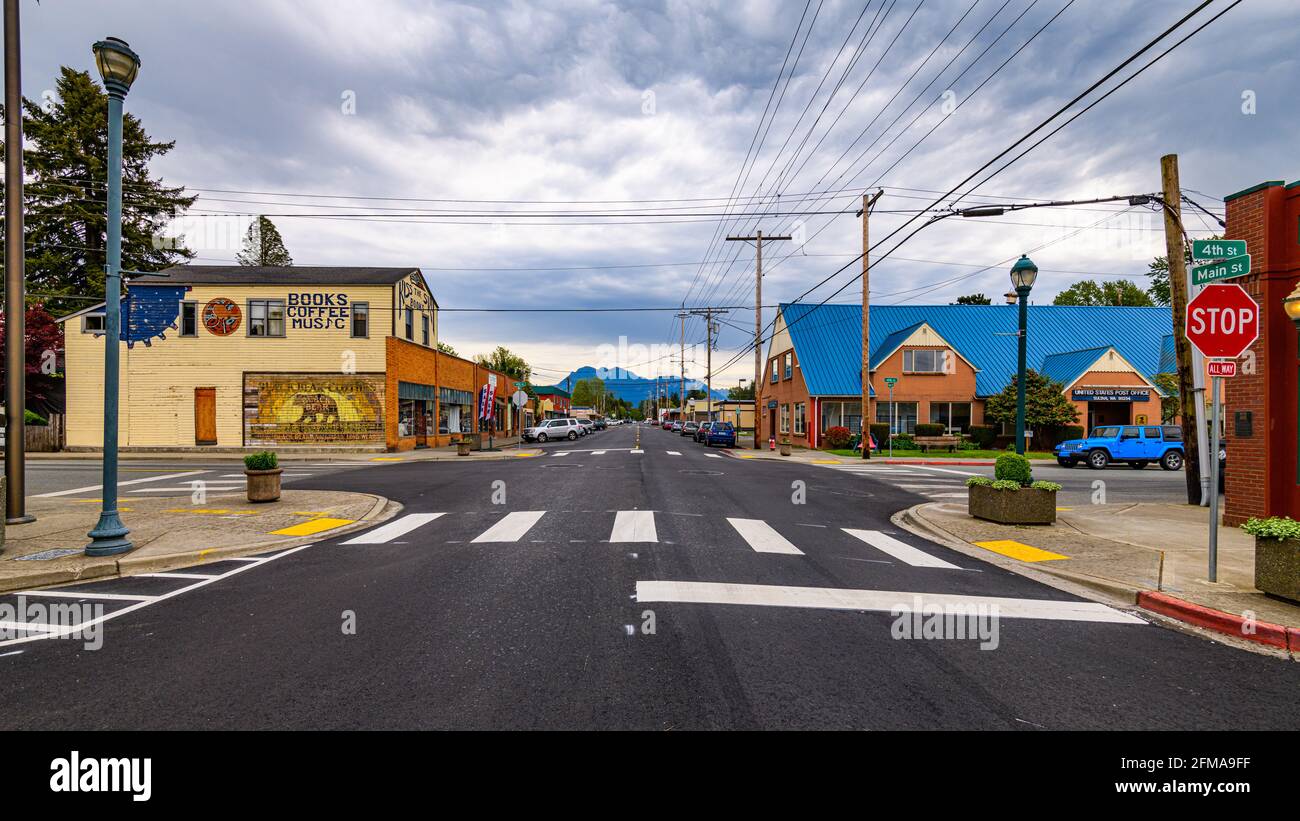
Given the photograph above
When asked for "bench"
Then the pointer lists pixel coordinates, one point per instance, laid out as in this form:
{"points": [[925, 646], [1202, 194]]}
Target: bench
{"points": [[927, 442]]}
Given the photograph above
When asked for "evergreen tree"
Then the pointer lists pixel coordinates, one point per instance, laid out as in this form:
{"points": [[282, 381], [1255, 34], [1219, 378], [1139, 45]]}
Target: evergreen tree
{"points": [[263, 245], [973, 299], [65, 196], [741, 392], [1045, 403]]}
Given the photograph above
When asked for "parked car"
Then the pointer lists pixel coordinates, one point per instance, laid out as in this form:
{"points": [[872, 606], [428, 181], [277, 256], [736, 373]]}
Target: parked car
{"points": [[675, 427], [689, 428], [549, 429], [1135, 445], [600, 424], [586, 426], [668, 424], [702, 433], [721, 433]]}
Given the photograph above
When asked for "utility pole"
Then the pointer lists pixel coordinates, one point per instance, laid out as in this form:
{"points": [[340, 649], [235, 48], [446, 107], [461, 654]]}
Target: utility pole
{"points": [[682, 359], [867, 203], [15, 268], [1193, 431], [709, 327], [757, 239]]}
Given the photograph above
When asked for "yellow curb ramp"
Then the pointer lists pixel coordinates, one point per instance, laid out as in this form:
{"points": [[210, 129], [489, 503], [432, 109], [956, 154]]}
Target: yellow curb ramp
{"points": [[1020, 551]]}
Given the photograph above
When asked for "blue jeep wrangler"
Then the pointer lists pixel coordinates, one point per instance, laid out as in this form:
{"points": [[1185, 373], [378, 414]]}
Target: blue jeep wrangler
{"points": [[1137, 445]]}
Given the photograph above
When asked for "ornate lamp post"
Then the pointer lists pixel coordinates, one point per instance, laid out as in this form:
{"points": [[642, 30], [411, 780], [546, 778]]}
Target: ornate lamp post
{"points": [[118, 65], [1023, 275]]}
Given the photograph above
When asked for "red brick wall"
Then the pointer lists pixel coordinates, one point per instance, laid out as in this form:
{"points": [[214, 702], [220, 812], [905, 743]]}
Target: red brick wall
{"points": [[409, 362], [785, 391], [924, 388]]}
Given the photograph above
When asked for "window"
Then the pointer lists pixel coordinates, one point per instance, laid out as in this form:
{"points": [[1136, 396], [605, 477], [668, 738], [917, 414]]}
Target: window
{"points": [[924, 361], [92, 324], [775, 375], [841, 414], [789, 365], [266, 317], [785, 418], [800, 418], [1173, 433], [955, 416], [189, 319], [410, 324], [1129, 433], [424, 329], [903, 416], [361, 319], [1151, 433]]}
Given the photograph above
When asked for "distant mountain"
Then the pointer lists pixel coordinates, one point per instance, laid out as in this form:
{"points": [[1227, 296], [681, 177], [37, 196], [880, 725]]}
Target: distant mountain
{"points": [[632, 388]]}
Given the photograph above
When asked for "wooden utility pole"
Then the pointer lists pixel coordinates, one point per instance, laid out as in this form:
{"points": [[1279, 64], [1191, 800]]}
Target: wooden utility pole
{"points": [[865, 213], [15, 270], [757, 239], [682, 316], [709, 327], [1187, 396]]}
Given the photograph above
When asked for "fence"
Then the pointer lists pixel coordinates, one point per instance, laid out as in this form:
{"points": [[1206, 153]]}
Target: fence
{"points": [[45, 438]]}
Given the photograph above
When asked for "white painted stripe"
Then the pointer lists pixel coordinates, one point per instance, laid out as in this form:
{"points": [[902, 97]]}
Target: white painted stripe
{"points": [[511, 528], [713, 456], [949, 470], [673, 453], [598, 453], [948, 495], [634, 526], [637, 450], [187, 489], [81, 594], [170, 575], [903, 552], [760, 536], [895, 603], [562, 453], [14, 626], [927, 487], [121, 484], [398, 527], [241, 475]]}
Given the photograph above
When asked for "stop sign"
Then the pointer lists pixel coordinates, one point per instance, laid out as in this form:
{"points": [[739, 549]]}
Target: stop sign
{"points": [[1222, 321]]}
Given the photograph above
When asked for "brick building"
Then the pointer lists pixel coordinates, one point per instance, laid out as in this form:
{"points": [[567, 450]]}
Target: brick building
{"points": [[1260, 429]]}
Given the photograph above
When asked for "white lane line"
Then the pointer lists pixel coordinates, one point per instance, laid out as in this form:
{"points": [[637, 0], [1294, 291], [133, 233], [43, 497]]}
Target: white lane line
{"points": [[511, 528], [899, 550], [760, 536], [927, 487], [398, 527], [637, 450], [713, 456], [164, 477], [31, 626], [81, 594], [598, 453], [948, 495], [949, 470], [634, 526], [562, 453], [212, 486], [673, 453], [169, 575], [893, 602]]}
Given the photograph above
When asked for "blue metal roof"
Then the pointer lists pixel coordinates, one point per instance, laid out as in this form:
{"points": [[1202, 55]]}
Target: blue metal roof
{"points": [[889, 344], [1168, 358], [1069, 366], [828, 339]]}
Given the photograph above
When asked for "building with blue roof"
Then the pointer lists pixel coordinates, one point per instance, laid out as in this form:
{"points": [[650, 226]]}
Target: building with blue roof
{"points": [[946, 360]]}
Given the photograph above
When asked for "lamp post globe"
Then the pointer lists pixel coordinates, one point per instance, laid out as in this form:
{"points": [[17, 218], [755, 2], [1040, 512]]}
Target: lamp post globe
{"points": [[1023, 275], [118, 64], [1292, 305]]}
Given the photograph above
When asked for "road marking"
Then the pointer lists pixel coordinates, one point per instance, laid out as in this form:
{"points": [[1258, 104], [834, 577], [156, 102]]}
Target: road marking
{"points": [[311, 526], [949, 470], [1021, 551], [637, 451], [81, 594], [30, 626], [903, 552], [598, 453], [713, 456], [673, 452], [211, 486], [170, 575], [948, 495], [164, 477], [390, 531], [634, 526], [926, 487], [762, 538], [511, 528], [895, 603]]}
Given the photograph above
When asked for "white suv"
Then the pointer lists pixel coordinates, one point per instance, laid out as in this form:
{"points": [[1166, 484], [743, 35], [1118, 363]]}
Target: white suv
{"points": [[552, 429]]}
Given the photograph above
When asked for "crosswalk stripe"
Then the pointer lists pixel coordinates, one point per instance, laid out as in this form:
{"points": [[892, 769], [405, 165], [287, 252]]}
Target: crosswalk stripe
{"points": [[390, 531], [903, 552], [713, 456], [760, 536], [931, 486], [637, 450], [634, 526], [598, 453], [673, 453], [948, 495], [949, 470], [511, 528], [120, 484], [562, 453]]}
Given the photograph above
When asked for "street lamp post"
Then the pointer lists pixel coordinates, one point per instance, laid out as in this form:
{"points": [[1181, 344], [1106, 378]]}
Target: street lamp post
{"points": [[1023, 274], [118, 66]]}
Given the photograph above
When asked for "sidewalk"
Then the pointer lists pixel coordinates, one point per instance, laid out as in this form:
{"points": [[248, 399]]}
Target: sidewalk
{"points": [[171, 532], [744, 450], [1150, 555]]}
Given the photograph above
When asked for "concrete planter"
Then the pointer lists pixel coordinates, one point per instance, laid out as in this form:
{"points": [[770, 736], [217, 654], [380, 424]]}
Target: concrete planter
{"points": [[263, 485], [463, 447], [785, 448], [1277, 567], [1026, 506]]}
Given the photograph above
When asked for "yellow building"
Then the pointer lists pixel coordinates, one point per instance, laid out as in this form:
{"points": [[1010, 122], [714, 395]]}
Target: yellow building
{"points": [[276, 357]]}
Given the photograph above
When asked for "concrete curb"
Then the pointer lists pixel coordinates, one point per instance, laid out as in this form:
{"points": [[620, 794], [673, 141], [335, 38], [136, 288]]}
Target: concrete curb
{"points": [[1266, 633], [382, 510]]}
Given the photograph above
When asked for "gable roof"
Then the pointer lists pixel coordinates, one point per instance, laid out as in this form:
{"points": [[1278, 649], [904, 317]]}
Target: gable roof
{"points": [[280, 275], [1069, 366], [890, 343], [828, 338]]}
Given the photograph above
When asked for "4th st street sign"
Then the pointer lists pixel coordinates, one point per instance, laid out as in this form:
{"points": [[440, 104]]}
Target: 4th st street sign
{"points": [[1203, 249]]}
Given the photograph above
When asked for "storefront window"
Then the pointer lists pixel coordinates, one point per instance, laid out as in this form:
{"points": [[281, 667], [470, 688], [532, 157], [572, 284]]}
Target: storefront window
{"points": [[842, 414], [901, 414], [800, 418], [455, 411], [953, 415]]}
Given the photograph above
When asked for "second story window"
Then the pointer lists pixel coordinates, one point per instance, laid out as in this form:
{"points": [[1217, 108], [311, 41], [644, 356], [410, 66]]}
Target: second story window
{"points": [[774, 371], [361, 319], [924, 361], [189, 319], [266, 317], [410, 324], [424, 329], [789, 365], [92, 324]]}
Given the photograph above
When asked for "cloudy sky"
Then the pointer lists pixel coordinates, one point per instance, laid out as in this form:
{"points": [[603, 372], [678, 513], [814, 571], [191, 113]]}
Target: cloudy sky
{"points": [[661, 111]]}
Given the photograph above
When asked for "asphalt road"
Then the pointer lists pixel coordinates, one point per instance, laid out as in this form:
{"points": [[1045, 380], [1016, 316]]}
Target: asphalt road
{"points": [[581, 589]]}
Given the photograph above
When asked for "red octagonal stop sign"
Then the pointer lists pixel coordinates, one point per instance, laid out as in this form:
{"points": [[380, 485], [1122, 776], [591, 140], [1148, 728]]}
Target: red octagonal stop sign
{"points": [[1222, 321]]}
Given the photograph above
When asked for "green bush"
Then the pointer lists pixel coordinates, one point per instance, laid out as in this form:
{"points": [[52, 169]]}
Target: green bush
{"points": [[262, 460], [1006, 484], [1041, 485], [1014, 468], [880, 430], [982, 436], [33, 418], [904, 442], [838, 437], [930, 429], [1274, 527], [979, 481]]}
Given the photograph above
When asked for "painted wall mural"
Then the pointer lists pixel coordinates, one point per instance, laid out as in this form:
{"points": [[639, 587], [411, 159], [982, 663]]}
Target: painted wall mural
{"points": [[313, 408], [221, 316], [149, 311]]}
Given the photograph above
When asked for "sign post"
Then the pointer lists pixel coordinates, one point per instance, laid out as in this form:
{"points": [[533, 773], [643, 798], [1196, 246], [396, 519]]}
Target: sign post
{"points": [[891, 381], [519, 398], [1222, 322]]}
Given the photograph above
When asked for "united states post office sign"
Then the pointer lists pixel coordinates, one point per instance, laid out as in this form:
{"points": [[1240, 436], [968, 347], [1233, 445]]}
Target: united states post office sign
{"points": [[1110, 395], [318, 311]]}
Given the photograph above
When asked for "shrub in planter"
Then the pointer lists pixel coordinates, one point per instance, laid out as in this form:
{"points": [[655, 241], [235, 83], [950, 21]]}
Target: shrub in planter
{"points": [[904, 441], [930, 429], [1007, 501], [1013, 467], [1277, 555], [982, 436], [262, 470], [838, 437]]}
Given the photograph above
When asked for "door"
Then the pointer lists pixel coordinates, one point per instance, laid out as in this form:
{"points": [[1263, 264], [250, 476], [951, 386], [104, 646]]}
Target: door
{"points": [[205, 416], [422, 421], [1130, 443]]}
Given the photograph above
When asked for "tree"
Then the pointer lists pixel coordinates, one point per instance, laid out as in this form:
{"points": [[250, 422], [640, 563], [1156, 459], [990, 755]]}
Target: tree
{"points": [[587, 392], [443, 347], [66, 216], [1123, 292], [741, 392], [1158, 271], [263, 245], [508, 363], [696, 393], [1045, 403], [973, 299], [1170, 405], [42, 355]]}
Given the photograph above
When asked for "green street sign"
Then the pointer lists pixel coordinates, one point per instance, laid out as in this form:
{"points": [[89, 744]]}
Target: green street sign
{"points": [[891, 381], [1218, 271], [1218, 248]]}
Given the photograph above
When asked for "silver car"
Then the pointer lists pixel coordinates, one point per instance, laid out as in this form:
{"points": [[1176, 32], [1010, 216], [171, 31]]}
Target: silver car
{"points": [[552, 429]]}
